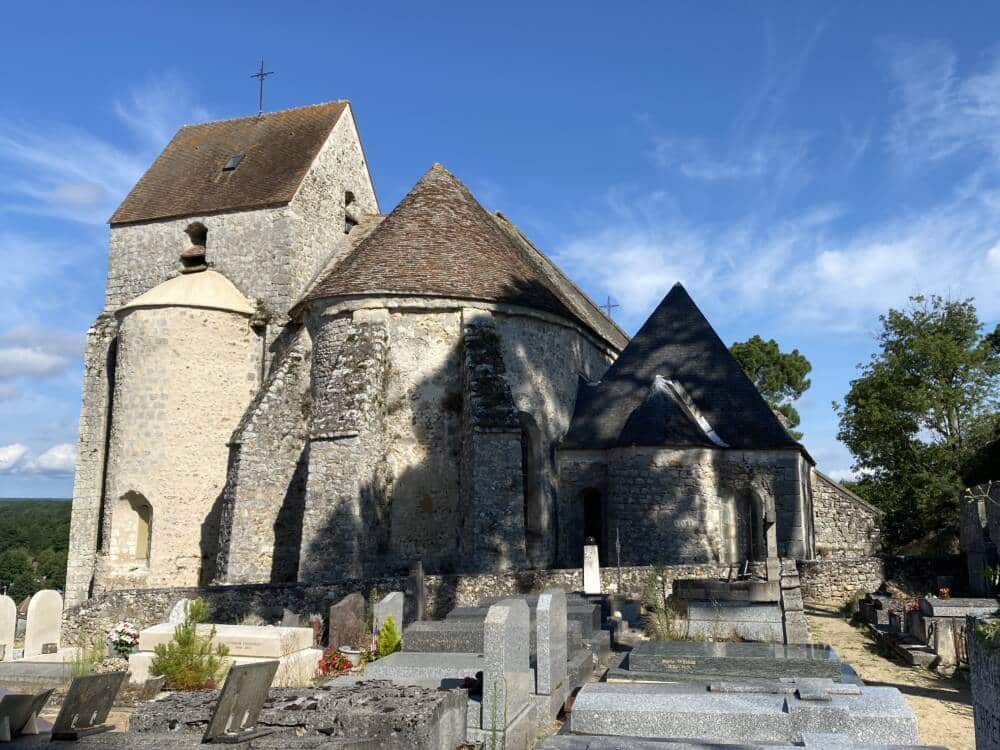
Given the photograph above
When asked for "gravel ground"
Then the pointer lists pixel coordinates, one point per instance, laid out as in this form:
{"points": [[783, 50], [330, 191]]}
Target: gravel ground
{"points": [[943, 705]]}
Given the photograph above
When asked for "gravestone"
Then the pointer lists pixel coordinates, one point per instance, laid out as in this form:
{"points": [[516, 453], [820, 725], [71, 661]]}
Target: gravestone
{"points": [[44, 622], [984, 673], [391, 604], [178, 612], [550, 625], [507, 674], [591, 570], [8, 626], [18, 713], [240, 701], [444, 636], [347, 622], [86, 706]]}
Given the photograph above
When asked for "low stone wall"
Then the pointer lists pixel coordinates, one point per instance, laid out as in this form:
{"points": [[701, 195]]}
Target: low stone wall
{"points": [[984, 673], [823, 581]]}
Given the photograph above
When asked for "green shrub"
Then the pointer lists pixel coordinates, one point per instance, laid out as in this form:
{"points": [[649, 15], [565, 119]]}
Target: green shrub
{"points": [[89, 654], [190, 661], [389, 640], [989, 635]]}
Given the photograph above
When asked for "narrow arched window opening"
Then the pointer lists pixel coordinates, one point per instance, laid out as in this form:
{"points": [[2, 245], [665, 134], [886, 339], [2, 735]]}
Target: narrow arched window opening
{"points": [[193, 257], [593, 518], [350, 212], [134, 522]]}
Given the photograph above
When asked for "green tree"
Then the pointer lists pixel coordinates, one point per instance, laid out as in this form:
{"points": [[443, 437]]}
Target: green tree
{"points": [[922, 407], [779, 376], [191, 661]]}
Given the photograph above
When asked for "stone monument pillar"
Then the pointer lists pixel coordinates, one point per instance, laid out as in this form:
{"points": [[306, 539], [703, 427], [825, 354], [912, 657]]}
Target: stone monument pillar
{"points": [[591, 568]]}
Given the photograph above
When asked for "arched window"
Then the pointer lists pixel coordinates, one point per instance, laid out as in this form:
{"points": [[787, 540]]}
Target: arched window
{"points": [[350, 215], [135, 524], [749, 527], [593, 517], [193, 257]]}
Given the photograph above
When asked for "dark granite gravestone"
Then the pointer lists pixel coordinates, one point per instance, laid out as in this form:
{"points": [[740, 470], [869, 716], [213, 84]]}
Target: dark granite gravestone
{"points": [[18, 712], [415, 593], [86, 706], [745, 660], [238, 708], [347, 622]]}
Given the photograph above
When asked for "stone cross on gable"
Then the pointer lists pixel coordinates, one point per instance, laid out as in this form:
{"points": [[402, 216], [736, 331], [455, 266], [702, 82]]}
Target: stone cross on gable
{"points": [[608, 307]]}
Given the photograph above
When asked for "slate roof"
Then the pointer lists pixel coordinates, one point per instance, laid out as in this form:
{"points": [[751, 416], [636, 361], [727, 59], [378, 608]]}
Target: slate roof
{"points": [[188, 179], [678, 344], [440, 242]]}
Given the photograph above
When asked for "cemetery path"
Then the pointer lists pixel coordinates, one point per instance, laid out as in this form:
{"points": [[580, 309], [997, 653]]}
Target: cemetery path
{"points": [[943, 706]]}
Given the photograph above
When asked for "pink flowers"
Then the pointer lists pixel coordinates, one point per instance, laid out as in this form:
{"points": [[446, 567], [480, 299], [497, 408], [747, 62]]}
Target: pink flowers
{"points": [[123, 638]]}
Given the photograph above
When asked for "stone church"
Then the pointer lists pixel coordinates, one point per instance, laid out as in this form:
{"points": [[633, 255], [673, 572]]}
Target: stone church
{"points": [[286, 384]]}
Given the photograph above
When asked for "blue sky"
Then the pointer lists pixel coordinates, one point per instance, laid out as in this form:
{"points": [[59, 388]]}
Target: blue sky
{"points": [[799, 167]]}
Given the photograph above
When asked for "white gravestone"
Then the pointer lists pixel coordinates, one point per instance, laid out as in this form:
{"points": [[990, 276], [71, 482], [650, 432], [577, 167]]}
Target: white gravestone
{"points": [[178, 612], [44, 622], [8, 625], [391, 604], [550, 642], [591, 570]]}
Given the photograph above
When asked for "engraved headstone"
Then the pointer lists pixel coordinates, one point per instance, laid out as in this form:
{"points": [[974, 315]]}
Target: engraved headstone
{"points": [[44, 621], [550, 625], [238, 708], [18, 713], [591, 570], [416, 595], [507, 674], [391, 604], [347, 622], [86, 706], [8, 626]]}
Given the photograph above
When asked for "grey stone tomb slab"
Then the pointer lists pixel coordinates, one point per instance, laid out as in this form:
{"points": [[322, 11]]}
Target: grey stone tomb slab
{"points": [[391, 604], [749, 660], [550, 639], [87, 704], [426, 670], [444, 636], [18, 713], [243, 695], [507, 680], [347, 622], [982, 607]]}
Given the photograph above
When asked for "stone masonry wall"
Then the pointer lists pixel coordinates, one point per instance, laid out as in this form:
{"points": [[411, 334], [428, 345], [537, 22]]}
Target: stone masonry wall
{"points": [[168, 439], [343, 521], [88, 484], [260, 527], [823, 581], [579, 471], [316, 213], [846, 526], [679, 505]]}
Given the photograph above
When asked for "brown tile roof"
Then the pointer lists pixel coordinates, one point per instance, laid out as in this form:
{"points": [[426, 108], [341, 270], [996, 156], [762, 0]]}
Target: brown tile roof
{"points": [[187, 178], [440, 242]]}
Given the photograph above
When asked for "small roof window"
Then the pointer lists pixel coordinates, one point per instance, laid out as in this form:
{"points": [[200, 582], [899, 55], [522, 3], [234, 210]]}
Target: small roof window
{"points": [[234, 161]]}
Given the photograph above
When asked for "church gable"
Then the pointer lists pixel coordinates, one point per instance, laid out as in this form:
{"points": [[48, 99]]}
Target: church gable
{"points": [[228, 165], [679, 345]]}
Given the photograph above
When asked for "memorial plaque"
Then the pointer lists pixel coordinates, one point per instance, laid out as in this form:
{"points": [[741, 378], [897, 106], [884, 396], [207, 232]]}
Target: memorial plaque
{"points": [[87, 704], [240, 701]]}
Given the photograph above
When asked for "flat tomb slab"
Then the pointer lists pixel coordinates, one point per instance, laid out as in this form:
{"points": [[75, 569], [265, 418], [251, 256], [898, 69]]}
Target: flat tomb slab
{"points": [[735, 659], [450, 636], [934, 607], [264, 641], [425, 670], [752, 590], [660, 711]]}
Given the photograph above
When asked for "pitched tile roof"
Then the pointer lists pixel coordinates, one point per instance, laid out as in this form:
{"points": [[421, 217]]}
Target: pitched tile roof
{"points": [[188, 179], [678, 344], [440, 242]]}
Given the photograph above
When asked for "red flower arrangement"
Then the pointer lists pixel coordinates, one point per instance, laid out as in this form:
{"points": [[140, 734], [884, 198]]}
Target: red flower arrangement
{"points": [[333, 662]]}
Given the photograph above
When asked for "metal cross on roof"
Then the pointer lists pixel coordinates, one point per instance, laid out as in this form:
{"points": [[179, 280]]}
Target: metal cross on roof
{"points": [[608, 307], [260, 75]]}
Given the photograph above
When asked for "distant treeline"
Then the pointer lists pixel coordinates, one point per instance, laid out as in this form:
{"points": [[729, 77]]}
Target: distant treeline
{"points": [[34, 538]]}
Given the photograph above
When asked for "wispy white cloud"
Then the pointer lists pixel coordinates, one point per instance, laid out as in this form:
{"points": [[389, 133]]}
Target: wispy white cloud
{"points": [[34, 351], [63, 171], [939, 113], [56, 461]]}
